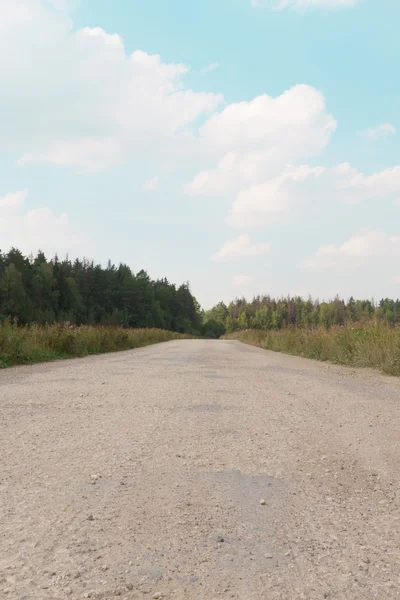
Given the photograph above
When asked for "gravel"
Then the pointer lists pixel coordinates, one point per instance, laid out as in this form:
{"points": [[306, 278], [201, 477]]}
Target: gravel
{"points": [[198, 431]]}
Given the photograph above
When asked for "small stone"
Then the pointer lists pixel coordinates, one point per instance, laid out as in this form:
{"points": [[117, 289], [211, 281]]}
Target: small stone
{"points": [[104, 568], [129, 586], [90, 518], [262, 502], [269, 556], [94, 478], [220, 539], [157, 596]]}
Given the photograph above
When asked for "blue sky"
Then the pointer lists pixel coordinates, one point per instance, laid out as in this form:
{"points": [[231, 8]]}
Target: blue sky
{"points": [[243, 146]]}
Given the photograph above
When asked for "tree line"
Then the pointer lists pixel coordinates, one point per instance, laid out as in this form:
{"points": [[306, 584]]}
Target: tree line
{"points": [[267, 313], [35, 289], [80, 292]]}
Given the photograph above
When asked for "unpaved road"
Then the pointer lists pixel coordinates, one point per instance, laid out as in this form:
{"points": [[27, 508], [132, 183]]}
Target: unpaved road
{"points": [[187, 438]]}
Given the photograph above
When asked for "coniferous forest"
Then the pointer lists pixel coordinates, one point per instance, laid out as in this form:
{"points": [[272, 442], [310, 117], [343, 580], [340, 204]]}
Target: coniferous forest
{"points": [[80, 292]]}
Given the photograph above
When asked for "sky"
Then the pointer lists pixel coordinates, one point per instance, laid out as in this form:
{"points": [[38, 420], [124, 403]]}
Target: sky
{"points": [[246, 146]]}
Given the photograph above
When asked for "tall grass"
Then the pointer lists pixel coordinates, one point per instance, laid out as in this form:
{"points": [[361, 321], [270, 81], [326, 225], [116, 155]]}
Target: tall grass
{"points": [[34, 343], [374, 345]]}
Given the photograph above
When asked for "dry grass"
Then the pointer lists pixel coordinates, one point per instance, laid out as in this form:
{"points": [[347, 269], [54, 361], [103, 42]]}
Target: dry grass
{"points": [[376, 345], [33, 343]]}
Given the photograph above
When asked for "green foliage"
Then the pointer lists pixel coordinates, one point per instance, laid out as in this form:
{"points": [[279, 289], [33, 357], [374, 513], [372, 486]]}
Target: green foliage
{"points": [[37, 290], [35, 343], [269, 314], [213, 329]]}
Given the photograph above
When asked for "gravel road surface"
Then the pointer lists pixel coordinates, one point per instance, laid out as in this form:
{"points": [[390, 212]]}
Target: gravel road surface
{"points": [[199, 469]]}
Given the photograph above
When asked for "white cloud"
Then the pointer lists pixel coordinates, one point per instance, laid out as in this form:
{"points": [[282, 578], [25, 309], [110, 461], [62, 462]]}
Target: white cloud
{"points": [[241, 280], [255, 140], [210, 68], [150, 185], [241, 247], [275, 200], [298, 188], [88, 155], [75, 98], [378, 132], [12, 200], [304, 4], [38, 229], [365, 249]]}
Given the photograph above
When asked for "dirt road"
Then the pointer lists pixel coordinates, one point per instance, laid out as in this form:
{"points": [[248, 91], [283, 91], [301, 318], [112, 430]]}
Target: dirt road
{"points": [[223, 471]]}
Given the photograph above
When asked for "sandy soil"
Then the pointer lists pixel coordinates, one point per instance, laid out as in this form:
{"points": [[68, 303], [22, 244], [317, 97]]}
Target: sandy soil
{"points": [[222, 471]]}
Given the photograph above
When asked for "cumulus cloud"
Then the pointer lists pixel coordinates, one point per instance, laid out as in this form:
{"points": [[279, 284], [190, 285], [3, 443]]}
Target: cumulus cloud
{"points": [[286, 196], [89, 155], [75, 98], [150, 185], [241, 247], [378, 132], [275, 200], [40, 228], [10, 201], [364, 249], [257, 139], [241, 280]]}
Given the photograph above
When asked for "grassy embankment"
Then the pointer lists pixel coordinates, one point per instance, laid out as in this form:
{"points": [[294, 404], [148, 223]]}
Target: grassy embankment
{"points": [[32, 344], [374, 345]]}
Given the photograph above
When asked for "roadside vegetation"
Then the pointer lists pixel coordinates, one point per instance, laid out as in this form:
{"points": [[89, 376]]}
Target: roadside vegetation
{"points": [[375, 345], [35, 343], [360, 333]]}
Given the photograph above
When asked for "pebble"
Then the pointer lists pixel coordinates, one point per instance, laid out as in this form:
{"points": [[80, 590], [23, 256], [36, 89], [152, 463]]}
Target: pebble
{"points": [[90, 518], [157, 596], [269, 556], [220, 539], [262, 502]]}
